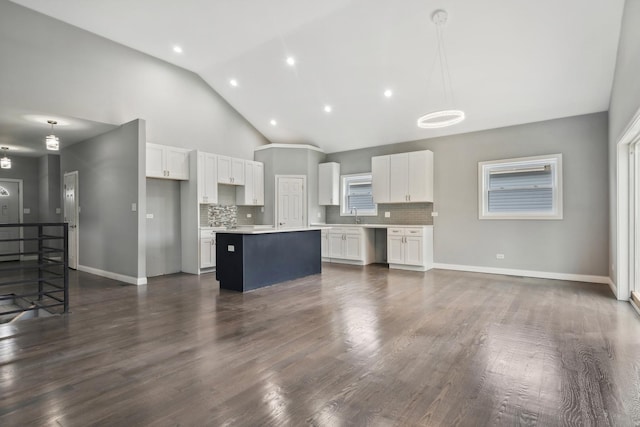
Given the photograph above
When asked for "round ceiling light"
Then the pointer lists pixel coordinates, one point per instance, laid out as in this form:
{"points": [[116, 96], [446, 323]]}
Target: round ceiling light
{"points": [[441, 119]]}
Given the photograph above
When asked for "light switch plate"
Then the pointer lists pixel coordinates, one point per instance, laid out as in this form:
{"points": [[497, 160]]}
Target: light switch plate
{"points": [[134, 207], [27, 210], [387, 214], [434, 213], [248, 215], [150, 216], [231, 248], [58, 211]]}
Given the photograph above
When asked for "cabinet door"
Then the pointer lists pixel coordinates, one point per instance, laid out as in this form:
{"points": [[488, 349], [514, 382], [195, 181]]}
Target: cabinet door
{"points": [[202, 182], [395, 249], [420, 176], [380, 179], [353, 246], [336, 245], [211, 178], [224, 170], [324, 244], [413, 250], [258, 183], [398, 178], [237, 171], [177, 163], [206, 248], [329, 184], [155, 161]]}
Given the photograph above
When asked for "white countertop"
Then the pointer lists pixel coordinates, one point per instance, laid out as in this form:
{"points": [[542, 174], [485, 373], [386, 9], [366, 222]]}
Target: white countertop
{"points": [[369, 225], [251, 230]]}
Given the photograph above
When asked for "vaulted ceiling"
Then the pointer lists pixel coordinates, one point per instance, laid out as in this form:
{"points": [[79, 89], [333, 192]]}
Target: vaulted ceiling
{"points": [[510, 62]]}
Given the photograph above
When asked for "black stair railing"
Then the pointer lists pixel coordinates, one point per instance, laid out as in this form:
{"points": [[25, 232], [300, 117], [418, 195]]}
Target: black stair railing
{"points": [[38, 278]]}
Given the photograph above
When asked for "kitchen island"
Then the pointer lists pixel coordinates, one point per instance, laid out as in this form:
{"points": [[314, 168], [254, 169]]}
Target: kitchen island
{"points": [[253, 258]]}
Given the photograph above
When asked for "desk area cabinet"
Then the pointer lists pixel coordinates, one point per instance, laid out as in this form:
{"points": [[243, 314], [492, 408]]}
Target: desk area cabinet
{"points": [[403, 177]]}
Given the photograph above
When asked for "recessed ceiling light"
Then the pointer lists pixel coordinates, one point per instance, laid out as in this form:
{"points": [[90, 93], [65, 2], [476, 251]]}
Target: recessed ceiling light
{"points": [[291, 61], [233, 82], [388, 93], [327, 108], [177, 49], [273, 122]]}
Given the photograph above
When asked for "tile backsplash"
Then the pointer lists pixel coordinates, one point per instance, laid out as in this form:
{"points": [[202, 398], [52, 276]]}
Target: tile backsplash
{"points": [[227, 216], [401, 214]]}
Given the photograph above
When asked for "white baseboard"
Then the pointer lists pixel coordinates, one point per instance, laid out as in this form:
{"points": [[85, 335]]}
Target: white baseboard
{"points": [[115, 276], [526, 273], [410, 267]]}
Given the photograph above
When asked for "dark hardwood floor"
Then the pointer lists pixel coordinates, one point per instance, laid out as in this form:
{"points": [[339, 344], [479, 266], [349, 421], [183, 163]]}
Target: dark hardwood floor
{"points": [[352, 346]]}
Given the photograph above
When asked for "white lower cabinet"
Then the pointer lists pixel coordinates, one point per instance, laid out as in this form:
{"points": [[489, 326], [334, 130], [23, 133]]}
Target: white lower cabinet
{"points": [[410, 248], [353, 245], [324, 244], [207, 249]]}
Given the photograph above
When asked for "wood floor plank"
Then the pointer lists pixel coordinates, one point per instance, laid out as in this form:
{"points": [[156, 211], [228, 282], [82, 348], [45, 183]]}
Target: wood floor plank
{"points": [[351, 346]]}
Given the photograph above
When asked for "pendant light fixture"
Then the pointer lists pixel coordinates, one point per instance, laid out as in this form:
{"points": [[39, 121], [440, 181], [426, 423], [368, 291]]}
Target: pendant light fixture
{"points": [[5, 162], [447, 116], [52, 141]]}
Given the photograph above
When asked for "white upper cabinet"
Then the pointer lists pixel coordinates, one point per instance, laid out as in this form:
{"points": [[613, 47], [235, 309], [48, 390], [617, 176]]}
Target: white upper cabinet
{"points": [[329, 184], [207, 178], [167, 162], [252, 192], [380, 179], [403, 178], [230, 170]]}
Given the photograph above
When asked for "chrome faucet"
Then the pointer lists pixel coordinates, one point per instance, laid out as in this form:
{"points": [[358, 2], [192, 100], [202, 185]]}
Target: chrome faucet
{"points": [[356, 211]]}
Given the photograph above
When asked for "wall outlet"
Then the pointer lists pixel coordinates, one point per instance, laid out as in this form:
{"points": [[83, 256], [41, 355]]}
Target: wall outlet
{"points": [[248, 215], [231, 248], [58, 211], [150, 216], [262, 209], [387, 214], [319, 215], [499, 256], [27, 211], [134, 207], [434, 213]]}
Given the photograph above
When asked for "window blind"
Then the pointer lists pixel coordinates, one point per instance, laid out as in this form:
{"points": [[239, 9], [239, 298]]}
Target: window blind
{"points": [[527, 191], [360, 196]]}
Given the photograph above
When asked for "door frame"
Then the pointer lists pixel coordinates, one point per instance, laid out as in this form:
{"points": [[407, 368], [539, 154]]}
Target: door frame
{"points": [[626, 205], [20, 212], [76, 208], [305, 219]]}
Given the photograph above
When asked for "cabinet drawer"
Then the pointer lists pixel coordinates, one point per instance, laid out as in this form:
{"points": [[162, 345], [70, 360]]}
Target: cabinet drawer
{"points": [[204, 234], [395, 231], [337, 231], [413, 232], [353, 230]]}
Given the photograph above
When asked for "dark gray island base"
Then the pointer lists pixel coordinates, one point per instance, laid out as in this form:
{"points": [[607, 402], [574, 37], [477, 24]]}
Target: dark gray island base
{"points": [[254, 259]]}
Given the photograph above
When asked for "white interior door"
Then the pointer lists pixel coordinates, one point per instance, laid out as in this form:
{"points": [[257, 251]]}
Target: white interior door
{"points": [[71, 215], [9, 214], [290, 200]]}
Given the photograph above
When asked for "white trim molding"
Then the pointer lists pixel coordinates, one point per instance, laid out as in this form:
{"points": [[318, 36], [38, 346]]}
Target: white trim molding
{"points": [[115, 276], [526, 273], [624, 249]]}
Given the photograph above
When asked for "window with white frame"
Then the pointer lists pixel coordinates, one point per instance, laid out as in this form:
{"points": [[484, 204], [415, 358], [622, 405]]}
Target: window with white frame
{"points": [[357, 195], [523, 188]]}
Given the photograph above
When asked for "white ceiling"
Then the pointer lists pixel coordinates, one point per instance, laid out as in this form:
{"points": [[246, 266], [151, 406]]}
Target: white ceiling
{"points": [[511, 62], [24, 131]]}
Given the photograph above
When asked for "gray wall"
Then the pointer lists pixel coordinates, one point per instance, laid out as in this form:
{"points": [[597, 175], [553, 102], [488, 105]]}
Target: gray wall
{"points": [[50, 193], [578, 244], [625, 101], [53, 67], [290, 161], [110, 235], [163, 242]]}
